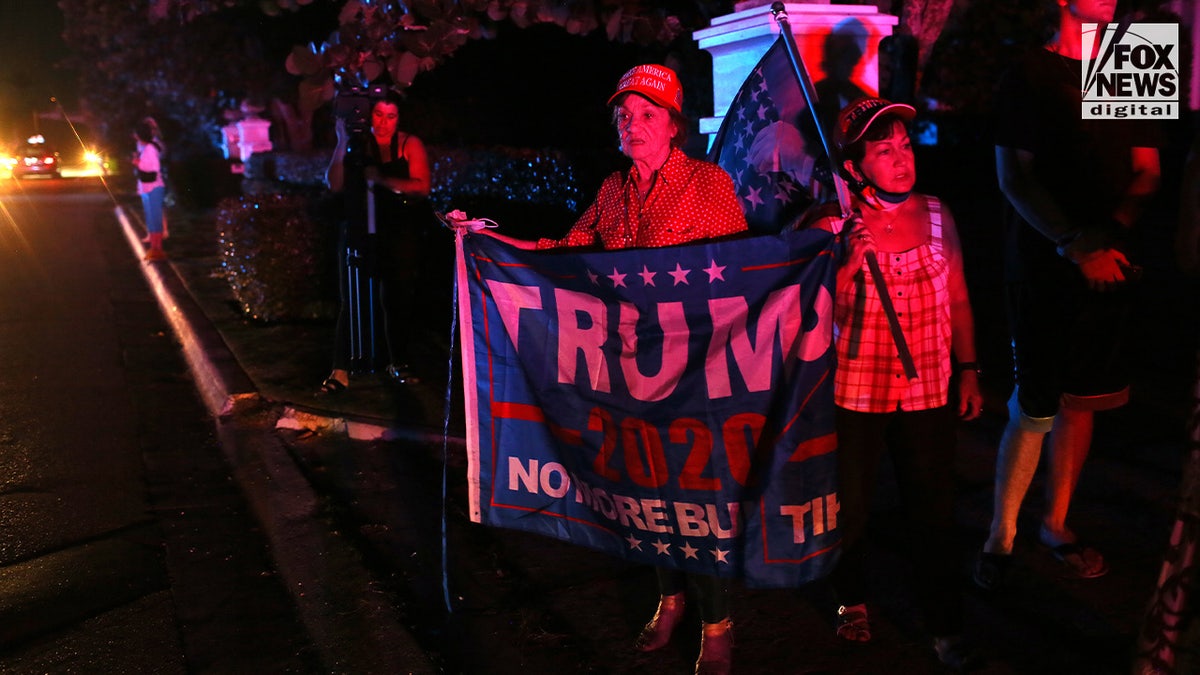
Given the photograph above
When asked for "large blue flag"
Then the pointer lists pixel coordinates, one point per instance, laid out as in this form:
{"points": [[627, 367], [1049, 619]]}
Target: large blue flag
{"points": [[671, 406], [769, 144]]}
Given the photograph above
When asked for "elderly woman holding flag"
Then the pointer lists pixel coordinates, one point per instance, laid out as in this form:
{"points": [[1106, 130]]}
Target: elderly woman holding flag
{"points": [[880, 408], [665, 198]]}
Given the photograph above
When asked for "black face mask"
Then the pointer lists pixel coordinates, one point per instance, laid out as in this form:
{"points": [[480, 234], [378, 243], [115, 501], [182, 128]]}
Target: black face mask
{"points": [[891, 197]]}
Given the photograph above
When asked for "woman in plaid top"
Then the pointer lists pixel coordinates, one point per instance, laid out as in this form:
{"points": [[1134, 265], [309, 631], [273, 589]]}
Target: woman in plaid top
{"points": [[879, 409]]}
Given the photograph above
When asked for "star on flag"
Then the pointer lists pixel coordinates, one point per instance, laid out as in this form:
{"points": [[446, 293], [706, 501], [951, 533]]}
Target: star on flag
{"points": [[715, 273], [765, 145]]}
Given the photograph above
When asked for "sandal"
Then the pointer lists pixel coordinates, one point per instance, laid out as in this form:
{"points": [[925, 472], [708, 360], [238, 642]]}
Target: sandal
{"points": [[1081, 562], [331, 386], [956, 653], [991, 569], [852, 623]]}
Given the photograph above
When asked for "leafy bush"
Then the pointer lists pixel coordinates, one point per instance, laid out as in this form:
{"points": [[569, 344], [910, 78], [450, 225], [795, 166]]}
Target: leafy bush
{"points": [[200, 183], [290, 168], [277, 239], [273, 253], [530, 192]]}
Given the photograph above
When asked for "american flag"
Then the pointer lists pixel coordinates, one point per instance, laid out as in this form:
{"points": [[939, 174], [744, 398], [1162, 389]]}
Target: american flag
{"points": [[768, 144]]}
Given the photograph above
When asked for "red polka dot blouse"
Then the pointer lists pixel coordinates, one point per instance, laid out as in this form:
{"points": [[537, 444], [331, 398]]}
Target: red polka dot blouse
{"points": [[690, 199]]}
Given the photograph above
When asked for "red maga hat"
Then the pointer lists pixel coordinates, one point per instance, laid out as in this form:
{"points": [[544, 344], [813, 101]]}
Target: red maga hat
{"points": [[658, 83]]}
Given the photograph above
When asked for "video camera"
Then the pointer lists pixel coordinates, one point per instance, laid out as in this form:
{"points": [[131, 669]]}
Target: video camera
{"points": [[353, 104]]}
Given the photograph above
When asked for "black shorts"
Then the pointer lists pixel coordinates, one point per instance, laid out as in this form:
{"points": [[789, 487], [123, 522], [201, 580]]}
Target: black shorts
{"points": [[1069, 343]]}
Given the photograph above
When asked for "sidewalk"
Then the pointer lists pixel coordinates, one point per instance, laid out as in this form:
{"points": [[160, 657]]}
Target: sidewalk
{"points": [[350, 490], [353, 625]]}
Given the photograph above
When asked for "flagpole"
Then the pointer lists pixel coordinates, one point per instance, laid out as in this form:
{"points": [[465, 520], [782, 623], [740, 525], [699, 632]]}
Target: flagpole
{"points": [[843, 191]]}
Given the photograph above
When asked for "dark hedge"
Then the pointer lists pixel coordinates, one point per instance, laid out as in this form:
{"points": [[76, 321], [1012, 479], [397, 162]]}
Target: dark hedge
{"points": [[277, 238], [273, 254]]}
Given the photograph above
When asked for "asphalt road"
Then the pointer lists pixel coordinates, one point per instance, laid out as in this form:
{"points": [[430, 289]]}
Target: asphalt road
{"points": [[125, 544]]}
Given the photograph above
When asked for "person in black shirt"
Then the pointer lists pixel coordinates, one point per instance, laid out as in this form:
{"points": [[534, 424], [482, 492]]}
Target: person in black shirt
{"points": [[396, 163], [1075, 189]]}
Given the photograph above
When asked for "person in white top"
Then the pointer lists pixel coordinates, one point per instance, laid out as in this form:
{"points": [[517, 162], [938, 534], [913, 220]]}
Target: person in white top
{"points": [[148, 168]]}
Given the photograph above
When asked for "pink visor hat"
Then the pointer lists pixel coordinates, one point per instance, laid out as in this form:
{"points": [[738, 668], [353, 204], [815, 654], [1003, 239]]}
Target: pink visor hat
{"points": [[655, 82], [854, 120]]}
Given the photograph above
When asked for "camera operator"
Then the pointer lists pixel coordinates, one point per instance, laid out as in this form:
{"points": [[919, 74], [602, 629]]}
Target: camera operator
{"points": [[372, 150]]}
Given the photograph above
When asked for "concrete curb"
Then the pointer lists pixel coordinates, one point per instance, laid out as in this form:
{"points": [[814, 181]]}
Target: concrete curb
{"points": [[353, 624], [221, 380]]}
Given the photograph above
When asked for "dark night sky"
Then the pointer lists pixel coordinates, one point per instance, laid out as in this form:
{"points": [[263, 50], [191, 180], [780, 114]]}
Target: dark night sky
{"points": [[31, 48]]}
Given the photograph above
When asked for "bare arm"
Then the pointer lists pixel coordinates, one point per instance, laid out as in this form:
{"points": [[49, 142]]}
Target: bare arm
{"points": [[1187, 239], [334, 175], [1099, 263], [1014, 170], [1147, 175], [962, 321], [858, 241], [523, 244], [418, 183]]}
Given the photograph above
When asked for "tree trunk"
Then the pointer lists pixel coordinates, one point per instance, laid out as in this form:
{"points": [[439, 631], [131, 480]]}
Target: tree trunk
{"points": [[924, 20], [297, 127]]}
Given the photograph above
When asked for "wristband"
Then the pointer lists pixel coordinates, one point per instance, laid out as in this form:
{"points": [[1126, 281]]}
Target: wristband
{"points": [[1087, 242], [1066, 239], [968, 365]]}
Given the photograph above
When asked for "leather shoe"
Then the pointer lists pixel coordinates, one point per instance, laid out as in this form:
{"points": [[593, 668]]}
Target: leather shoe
{"points": [[716, 649], [657, 633]]}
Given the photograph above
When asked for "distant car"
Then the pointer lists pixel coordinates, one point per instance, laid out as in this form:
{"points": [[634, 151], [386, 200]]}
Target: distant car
{"points": [[35, 158]]}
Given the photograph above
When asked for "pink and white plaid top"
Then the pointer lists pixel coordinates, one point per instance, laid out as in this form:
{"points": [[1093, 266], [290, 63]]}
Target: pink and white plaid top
{"points": [[872, 380]]}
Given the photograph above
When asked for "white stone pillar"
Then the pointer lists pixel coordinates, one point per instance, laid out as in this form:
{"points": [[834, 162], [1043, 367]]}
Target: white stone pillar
{"points": [[255, 136], [229, 142], [829, 37]]}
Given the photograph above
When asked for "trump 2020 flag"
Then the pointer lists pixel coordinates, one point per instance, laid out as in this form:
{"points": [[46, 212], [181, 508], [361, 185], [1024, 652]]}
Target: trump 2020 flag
{"points": [[768, 144], [670, 406]]}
